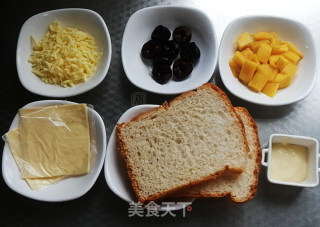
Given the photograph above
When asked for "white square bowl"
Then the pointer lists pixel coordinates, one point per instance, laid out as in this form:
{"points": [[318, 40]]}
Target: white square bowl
{"points": [[37, 25], [287, 30], [138, 31], [66, 189], [312, 146]]}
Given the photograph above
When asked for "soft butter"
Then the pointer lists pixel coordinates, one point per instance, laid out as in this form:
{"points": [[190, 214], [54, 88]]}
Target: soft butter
{"points": [[289, 162]]}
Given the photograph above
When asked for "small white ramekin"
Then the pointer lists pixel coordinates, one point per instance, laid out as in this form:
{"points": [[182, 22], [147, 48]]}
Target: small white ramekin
{"points": [[312, 144]]}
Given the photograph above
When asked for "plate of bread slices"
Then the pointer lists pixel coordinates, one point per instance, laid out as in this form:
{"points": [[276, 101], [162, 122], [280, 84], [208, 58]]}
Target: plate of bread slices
{"points": [[196, 146]]}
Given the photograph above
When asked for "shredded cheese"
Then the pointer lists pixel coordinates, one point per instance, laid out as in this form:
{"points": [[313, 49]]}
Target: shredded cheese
{"points": [[65, 56]]}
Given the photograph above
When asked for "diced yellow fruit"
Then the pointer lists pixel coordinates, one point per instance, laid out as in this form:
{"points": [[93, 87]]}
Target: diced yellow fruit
{"points": [[275, 41], [290, 70], [281, 63], [293, 48], [268, 70], [273, 76], [254, 46], [264, 62], [247, 53], [279, 48], [273, 59], [244, 40], [283, 79], [263, 35], [235, 68], [264, 52], [247, 71], [258, 81], [239, 58], [254, 59], [270, 89], [291, 56]]}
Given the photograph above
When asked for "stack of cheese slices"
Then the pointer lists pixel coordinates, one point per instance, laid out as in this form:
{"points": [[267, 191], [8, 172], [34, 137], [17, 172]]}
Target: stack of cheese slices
{"points": [[197, 145], [51, 143]]}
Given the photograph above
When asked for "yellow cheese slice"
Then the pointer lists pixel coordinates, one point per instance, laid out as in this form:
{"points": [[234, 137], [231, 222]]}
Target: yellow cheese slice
{"points": [[55, 141], [13, 140]]}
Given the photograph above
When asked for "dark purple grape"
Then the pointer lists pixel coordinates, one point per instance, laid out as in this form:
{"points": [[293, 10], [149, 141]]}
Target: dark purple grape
{"points": [[170, 49], [182, 34], [182, 69], [162, 60], [190, 52], [161, 73], [151, 49], [160, 34]]}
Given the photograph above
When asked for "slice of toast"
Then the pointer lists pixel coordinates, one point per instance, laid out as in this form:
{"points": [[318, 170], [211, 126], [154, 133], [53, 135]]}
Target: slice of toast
{"points": [[194, 138], [240, 187]]}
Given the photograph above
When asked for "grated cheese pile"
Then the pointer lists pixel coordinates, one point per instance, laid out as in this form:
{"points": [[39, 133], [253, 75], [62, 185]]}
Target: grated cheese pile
{"points": [[65, 56]]}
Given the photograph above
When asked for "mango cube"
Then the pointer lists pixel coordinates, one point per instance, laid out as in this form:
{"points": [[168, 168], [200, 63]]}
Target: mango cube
{"points": [[244, 40], [247, 53], [263, 35], [235, 68], [238, 58], [254, 46], [293, 48], [273, 59], [268, 70], [270, 89], [275, 41], [258, 81], [279, 48], [247, 71], [281, 63], [254, 59], [264, 52], [290, 69], [283, 80], [291, 56]]}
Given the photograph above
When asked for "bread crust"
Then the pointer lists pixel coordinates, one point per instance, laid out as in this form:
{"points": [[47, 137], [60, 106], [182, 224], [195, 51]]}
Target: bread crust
{"points": [[147, 113], [124, 152], [258, 154]]}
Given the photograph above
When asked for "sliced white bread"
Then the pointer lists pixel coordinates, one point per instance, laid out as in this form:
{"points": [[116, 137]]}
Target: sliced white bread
{"points": [[240, 187], [194, 138]]}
